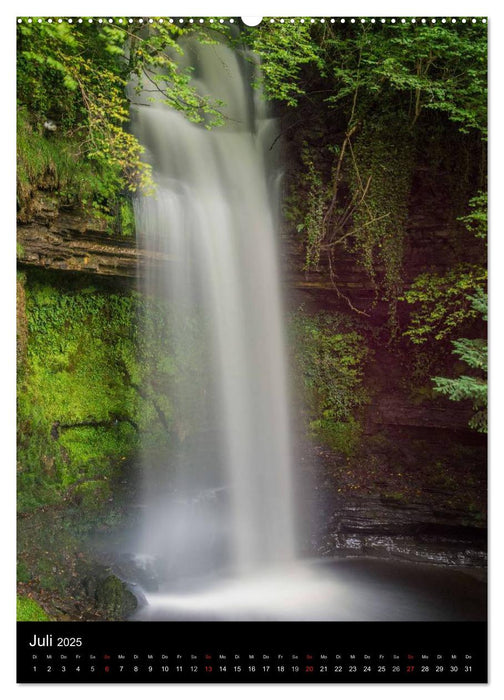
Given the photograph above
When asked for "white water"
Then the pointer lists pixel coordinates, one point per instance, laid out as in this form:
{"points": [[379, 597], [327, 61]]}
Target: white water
{"points": [[213, 216], [217, 538]]}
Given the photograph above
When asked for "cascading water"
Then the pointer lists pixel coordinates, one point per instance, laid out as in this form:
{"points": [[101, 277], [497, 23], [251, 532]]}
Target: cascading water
{"points": [[217, 539], [212, 219]]}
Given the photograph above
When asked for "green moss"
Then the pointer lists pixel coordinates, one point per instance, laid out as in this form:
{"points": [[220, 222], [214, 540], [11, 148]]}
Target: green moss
{"points": [[394, 496], [27, 610], [92, 384], [344, 437], [54, 162], [49, 162], [92, 495], [114, 599], [74, 400]]}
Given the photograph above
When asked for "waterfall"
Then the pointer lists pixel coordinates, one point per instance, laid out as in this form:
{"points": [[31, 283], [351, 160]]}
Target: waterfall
{"points": [[216, 539], [212, 219]]}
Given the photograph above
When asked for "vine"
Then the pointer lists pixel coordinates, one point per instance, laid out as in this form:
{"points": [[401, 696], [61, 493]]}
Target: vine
{"points": [[382, 173], [330, 358]]}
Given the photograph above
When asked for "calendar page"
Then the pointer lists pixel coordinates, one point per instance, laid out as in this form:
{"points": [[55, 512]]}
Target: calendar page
{"points": [[251, 349]]}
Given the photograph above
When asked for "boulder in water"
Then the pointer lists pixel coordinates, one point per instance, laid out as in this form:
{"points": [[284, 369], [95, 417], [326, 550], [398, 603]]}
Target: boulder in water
{"points": [[114, 598]]}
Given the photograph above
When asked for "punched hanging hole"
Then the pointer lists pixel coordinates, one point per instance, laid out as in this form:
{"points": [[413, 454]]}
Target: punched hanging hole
{"points": [[251, 21]]}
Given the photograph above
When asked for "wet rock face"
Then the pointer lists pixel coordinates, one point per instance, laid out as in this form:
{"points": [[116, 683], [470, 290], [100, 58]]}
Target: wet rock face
{"points": [[436, 551], [400, 497], [408, 531]]}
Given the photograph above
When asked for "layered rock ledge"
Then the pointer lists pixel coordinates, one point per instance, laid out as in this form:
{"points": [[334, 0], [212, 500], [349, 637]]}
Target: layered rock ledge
{"points": [[73, 240]]}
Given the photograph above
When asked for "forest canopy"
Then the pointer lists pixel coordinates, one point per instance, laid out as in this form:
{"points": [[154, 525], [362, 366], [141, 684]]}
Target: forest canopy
{"points": [[76, 73]]}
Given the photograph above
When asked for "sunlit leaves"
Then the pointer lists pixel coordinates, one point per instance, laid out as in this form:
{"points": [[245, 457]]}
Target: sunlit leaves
{"points": [[78, 74], [477, 220], [284, 50], [436, 67], [443, 302]]}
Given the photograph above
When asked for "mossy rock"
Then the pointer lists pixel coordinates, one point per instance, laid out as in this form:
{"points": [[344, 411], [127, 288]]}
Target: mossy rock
{"points": [[27, 610], [92, 495], [92, 575], [114, 599]]}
